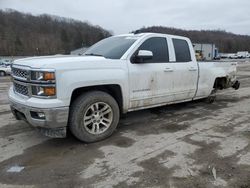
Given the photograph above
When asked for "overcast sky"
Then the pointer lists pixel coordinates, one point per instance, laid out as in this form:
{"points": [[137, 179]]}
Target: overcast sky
{"points": [[123, 16]]}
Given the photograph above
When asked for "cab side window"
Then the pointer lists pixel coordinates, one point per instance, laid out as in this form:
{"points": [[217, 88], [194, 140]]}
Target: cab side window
{"points": [[159, 47], [182, 51]]}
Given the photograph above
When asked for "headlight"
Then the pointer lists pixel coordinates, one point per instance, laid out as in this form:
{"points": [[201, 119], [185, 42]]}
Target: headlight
{"points": [[43, 76], [45, 83], [44, 91]]}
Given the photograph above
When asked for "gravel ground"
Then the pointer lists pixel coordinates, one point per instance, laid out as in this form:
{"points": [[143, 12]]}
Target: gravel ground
{"points": [[186, 145]]}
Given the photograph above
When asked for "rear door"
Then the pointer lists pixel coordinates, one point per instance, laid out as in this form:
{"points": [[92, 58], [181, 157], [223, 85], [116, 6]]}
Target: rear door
{"points": [[186, 70], [151, 81]]}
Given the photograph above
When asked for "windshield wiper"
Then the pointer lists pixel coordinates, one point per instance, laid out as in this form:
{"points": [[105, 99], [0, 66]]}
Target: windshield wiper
{"points": [[92, 54]]}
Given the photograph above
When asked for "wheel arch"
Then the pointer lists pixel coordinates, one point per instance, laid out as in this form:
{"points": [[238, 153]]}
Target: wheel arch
{"points": [[114, 90], [221, 83], [5, 73]]}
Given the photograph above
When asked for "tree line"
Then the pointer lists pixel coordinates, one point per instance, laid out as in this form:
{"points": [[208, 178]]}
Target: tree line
{"points": [[27, 35], [225, 41]]}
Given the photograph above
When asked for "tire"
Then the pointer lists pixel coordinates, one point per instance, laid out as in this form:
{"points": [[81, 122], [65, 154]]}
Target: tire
{"points": [[94, 116], [2, 73]]}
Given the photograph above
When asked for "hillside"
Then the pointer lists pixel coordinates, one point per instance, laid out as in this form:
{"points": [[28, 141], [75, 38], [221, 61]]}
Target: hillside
{"points": [[226, 42], [25, 34]]}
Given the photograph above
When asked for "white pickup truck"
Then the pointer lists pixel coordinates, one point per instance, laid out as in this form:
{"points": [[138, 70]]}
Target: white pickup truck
{"points": [[120, 74]]}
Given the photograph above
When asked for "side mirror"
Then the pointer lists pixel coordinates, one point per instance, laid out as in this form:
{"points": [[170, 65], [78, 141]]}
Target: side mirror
{"points": [[142, 56]]}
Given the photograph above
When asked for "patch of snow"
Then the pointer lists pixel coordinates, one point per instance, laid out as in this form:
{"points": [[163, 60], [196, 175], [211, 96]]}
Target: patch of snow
{"points": [[15, 169]]}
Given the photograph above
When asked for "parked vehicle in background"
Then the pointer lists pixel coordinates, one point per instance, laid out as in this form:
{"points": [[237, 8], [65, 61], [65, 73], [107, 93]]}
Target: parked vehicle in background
{"points": [[223, 55], [217, 57], [5, 62], [232, 56], [117, 75], [2, 63], [4, 70], [242, 54]]}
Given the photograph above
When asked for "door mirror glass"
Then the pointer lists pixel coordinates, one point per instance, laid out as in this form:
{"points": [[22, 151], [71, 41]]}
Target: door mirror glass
{"points": [[143, 55]]}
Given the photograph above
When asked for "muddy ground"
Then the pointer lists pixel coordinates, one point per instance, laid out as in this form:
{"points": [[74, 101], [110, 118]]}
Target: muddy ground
{"points": [[186, 145]]}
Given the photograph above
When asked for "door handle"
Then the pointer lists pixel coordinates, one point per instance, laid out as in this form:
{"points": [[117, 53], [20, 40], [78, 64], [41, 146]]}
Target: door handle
{"points": [[193, 69], [169, 70]]}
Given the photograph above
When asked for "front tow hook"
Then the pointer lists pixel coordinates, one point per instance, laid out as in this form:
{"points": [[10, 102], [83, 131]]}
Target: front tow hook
{"points": [[236, 85]]}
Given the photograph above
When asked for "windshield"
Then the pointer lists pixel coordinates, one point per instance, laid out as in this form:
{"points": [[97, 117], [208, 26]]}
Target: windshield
{"points": [[111, 48]]}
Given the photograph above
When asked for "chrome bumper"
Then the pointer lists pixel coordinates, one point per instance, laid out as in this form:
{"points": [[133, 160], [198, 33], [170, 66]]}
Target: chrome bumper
{"points": [[53, 124]]}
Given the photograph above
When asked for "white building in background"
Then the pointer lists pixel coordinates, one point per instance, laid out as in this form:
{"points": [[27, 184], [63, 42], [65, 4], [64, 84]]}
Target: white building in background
{"points": [[205, 51]]}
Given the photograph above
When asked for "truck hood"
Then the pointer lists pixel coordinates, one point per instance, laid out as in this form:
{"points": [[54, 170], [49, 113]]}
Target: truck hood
{"points": [[64, 62]]}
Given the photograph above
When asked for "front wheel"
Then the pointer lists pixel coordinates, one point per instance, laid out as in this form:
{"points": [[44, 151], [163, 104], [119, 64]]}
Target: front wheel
{"points": [[94, 116], [2, 73]]}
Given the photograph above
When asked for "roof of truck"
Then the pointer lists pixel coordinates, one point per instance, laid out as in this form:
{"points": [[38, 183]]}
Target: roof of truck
{"points": [[148, 34]]}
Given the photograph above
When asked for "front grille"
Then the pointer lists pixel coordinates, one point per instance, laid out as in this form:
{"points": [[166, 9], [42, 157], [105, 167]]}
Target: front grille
{"points": [[20, 73], [21, 89]]}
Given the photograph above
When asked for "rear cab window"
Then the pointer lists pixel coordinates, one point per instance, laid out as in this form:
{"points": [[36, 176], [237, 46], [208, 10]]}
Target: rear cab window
{"points": [[182, 50]]}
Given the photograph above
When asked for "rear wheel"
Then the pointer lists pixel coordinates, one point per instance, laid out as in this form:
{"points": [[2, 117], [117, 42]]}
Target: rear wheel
{"points": [[94, 116], [2, 73]]}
